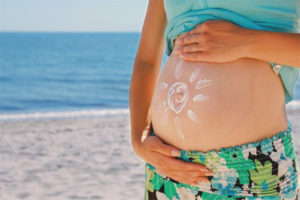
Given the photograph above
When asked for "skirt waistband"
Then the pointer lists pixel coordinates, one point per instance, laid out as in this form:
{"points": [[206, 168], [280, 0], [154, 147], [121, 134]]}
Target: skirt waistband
{"points": [[267, 167], [280, 142]]}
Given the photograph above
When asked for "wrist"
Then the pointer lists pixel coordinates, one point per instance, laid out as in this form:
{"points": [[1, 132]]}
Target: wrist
{"points": [[257, 43], [252, 40]]}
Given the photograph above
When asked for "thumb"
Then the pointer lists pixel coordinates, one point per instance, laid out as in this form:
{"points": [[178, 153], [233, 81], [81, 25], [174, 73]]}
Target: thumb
{"points": [[168, 150]]}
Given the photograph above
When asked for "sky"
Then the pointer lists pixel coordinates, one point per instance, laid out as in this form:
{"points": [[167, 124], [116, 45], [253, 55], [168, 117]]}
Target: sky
{"points": [[72, 15]]}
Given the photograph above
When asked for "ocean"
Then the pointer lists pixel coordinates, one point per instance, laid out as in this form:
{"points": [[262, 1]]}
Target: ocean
{"points": [[52, 74]]}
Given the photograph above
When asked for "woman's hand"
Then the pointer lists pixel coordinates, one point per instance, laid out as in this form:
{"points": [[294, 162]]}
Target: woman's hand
{"points": [[158, 154], [214, 41]]}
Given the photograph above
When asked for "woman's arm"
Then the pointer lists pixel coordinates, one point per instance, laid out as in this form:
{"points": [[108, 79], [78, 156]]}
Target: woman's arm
{"points": [[223, 41], [146, 69], [144, 78], [277, 47]]}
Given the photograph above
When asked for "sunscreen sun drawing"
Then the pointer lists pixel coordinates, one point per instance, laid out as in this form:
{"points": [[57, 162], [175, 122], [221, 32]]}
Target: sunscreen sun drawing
{"points": [[178, 95]]}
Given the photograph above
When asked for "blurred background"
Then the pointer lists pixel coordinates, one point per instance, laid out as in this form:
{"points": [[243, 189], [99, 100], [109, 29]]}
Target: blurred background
{"points": [[65, 69], [67, 55]]}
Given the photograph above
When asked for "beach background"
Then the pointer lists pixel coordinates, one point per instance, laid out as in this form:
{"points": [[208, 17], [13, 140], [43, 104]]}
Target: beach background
{"points": [[64, 117]]}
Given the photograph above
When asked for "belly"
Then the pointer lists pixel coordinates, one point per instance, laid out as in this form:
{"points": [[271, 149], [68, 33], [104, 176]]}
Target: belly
{"points": [[205, 105]]}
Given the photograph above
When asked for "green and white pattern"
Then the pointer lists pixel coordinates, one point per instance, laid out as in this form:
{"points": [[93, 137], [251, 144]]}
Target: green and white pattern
{"points": [[266, 169]]}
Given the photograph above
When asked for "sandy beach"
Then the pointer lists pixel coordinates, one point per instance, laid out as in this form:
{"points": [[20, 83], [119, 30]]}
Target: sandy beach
{"points": [[76, 158]]}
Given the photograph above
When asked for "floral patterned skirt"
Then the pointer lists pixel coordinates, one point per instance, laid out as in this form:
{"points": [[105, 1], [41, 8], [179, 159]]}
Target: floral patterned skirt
{"points": [[266, 169]]}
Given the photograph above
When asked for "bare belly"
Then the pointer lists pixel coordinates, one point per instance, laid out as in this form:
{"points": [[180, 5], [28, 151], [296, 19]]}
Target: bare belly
{"points": [[205, 105]]}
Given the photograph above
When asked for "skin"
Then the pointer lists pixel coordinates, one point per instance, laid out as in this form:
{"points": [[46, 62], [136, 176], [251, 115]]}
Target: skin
{"points": [[144, 77], [223, 41], [228, 43]]}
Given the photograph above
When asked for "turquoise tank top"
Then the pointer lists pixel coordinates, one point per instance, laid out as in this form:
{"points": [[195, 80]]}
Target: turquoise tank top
{"points": [[271, 15]]}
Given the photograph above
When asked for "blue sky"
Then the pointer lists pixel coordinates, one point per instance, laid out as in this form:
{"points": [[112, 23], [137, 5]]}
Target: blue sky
{"points": [[72, 15]]}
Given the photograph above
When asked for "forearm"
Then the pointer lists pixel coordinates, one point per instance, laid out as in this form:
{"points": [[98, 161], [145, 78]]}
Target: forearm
{"points": [[142, 85], [277, 47]]}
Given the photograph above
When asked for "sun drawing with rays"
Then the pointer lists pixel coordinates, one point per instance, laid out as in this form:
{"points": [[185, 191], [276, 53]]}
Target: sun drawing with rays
{"points": [[178, 95]]}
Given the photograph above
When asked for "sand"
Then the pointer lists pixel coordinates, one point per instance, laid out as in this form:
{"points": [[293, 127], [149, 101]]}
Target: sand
{"points": [[76, 158]]}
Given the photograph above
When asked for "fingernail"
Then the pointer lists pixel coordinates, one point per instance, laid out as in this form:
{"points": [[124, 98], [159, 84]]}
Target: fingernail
{"points": [[209, 174], [201, 182], [175, 152], [206, 170]]}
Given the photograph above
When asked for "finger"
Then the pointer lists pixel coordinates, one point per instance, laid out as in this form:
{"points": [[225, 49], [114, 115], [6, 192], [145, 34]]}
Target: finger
{"points": [[182, 35], [195, 56], [167, 150], [190, 48], [196, 29], [190, 181], [182, 177], [185, 34], [190, 39], [179, 37], [173, 163], [184, 180], [178, 41], [202, 180], [192, 173]]}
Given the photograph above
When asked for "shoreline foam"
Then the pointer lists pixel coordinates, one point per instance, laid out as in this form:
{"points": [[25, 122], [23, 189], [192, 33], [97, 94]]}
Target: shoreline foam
{"points": [[62, 114], [293, 106]]}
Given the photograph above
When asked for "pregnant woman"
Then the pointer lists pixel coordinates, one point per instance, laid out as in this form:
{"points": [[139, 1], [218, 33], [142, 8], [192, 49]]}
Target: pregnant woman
{"points": [[213, 124]]}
